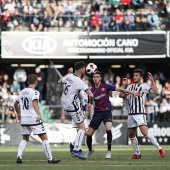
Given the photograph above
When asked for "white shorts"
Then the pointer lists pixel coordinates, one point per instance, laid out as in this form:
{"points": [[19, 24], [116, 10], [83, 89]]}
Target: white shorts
{"points": [[37, 129], [74, 125], [77, 117], [136, 120]]}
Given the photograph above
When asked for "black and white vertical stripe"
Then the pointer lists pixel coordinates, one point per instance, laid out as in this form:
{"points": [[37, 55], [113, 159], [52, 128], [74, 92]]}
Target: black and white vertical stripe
{"points": [[137, 104]]}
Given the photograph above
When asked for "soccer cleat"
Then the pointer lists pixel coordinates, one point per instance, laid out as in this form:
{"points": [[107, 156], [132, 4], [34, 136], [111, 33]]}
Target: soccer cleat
{"points": [[162, 152], [71, 147], [19, 160], [87, 155], [54, 161], [77, 154], [108, 155], [135, 156]]}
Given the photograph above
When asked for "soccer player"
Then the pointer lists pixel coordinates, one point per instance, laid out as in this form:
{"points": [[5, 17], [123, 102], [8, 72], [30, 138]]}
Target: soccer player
{"points": [[137, 112], [102, 111], [71, 102], [26, 106]]}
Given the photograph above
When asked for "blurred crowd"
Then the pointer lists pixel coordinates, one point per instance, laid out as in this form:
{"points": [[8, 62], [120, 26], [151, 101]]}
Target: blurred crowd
{"points": [[157, 106], [90, 15], [10, 86]]}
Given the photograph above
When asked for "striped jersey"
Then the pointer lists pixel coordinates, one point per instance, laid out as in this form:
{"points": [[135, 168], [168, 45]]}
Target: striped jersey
{"points": [[70, 98], [101, 97], [137, 104], [25, 99]]}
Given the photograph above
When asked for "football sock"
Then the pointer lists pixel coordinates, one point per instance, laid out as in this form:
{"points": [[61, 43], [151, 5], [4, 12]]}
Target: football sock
{"points": [[153, 140], [89, 142], [79, 139], [21, 148], [46, 149], [134, 142], [109, 139]]}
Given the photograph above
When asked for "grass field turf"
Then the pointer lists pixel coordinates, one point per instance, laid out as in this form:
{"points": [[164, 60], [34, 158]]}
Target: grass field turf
{"points": [[34, 159]]}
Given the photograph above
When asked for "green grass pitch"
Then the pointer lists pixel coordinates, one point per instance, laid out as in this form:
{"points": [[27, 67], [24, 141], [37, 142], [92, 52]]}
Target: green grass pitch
{"points": [[34, 159]]}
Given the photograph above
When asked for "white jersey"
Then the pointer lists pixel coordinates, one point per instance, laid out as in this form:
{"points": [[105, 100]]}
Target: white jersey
{"points": [[70, 97], [137, 104], [26, 98], [83, 98]]}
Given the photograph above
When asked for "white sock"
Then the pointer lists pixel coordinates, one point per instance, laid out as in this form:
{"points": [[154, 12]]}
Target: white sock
{"points": [[153, 140], [21, 148], [46, 149], [79, 139], [134, 142], [73, 143]]}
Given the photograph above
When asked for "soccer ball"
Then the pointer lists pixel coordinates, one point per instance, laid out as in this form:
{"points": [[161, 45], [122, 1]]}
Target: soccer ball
{"points": [[91, 68]]}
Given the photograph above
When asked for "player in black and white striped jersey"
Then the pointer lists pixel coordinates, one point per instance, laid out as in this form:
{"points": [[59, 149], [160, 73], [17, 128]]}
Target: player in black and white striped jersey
{"points": [[137, 112]]}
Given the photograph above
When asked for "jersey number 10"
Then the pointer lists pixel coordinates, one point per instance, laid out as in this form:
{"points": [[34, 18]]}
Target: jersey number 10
{"points": [[25, 103]]}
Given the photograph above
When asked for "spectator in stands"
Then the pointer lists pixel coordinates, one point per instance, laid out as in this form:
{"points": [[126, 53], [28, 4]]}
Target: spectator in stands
{"points": [[141, 20], [93, 22], [20, 76], [15, 87], [18, 20], [109, 75], [129, 21], [116, 101], [138, 4], [113, 4], [95, 5], [4, 91], [117, 81], [5, 18], [60, 12], [1, 6], [126, 4], [28, 12], [152, 111], [166, 91], [10, 7], [164, 110], [112, 23], [36, 24], [157, 98], [46, 21], [130, 79], [167, 11], [70, 12], [153, 20], [105, 22], [159, 75], [51, 8], [41, 81], [118, 20], [6, 80]]}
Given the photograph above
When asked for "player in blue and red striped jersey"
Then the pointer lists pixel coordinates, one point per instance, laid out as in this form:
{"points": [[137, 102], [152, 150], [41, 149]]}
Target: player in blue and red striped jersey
{"points": [[102, 111]]}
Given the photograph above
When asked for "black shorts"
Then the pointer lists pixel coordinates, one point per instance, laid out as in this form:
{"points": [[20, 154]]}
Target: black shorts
{"points": [[98, 117]]}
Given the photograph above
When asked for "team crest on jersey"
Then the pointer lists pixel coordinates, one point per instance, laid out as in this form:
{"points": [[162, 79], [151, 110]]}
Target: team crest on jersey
{"points": [[103, 89]]}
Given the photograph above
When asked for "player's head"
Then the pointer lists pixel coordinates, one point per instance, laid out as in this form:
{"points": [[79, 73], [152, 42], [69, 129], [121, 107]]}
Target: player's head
{"points": [[80, 67], [137, 75], [97, 77], [33, 79]]}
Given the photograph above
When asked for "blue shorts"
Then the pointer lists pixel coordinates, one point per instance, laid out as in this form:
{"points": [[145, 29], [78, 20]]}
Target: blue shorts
{"points": [[98, 117]]}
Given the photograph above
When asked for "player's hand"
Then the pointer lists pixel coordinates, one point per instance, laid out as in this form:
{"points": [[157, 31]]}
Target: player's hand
{"points": [[70, 70], [88, 107], [62, 118], [136, 94], [38, 118]]}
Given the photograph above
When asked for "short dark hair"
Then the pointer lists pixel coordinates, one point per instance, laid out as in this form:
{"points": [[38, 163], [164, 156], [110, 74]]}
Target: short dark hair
{"points": [[139, 71], [78, 65], [32, 78], [98, 72]]}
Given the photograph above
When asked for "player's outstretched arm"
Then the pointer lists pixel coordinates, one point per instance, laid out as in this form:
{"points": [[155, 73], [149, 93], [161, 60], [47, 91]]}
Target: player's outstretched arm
{"points": [[135, 94]]}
